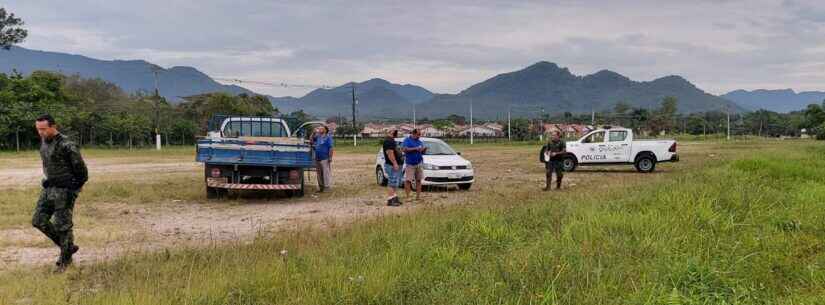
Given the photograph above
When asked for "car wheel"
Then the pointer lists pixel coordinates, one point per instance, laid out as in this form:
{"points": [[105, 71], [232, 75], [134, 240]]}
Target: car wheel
{"points": [[465, 186], [645, 164], [568, 164], [379, 176]]}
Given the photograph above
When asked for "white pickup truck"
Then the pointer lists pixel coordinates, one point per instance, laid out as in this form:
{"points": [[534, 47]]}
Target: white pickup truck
{"points": [[615, 146]]}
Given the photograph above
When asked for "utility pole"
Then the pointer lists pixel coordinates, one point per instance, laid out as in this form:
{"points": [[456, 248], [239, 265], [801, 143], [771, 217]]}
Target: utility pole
{"points": [[509, 123], [414, 116], [472, 131], [592, 117], [541, 125], [727, 108], [157, 111], [354, 102]]}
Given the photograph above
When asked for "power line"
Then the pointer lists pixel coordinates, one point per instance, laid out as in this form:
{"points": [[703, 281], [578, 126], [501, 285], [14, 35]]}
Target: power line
{"points": [[272, 84]]}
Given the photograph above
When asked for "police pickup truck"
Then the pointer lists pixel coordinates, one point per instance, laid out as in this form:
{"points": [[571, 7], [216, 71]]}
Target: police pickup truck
{"points": [[254, 153], [615, 146]]}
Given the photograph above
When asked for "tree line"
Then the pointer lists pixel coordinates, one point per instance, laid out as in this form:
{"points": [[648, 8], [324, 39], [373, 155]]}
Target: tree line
{"points": [[98, 113]]}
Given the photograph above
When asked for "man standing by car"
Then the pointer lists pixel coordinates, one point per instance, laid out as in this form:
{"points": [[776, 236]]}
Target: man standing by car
{"points": [[552, 156], [66, 174], [414, 151], [393, 160], [323, 144]]}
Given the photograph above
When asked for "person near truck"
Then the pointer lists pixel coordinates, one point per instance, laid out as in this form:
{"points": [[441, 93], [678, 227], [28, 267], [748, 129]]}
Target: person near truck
{"points": [[323, 144], [393, 166], [552, 155], [414, 151], [66, 173]]}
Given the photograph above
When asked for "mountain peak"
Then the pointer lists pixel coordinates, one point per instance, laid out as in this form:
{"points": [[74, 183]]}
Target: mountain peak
{"points": [[376, 81], [607, 75], [543, 65]]}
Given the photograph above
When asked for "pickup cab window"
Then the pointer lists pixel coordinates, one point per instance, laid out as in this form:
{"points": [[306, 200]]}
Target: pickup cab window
{"points": [[617, 136], [254, 129], [596, 137]]}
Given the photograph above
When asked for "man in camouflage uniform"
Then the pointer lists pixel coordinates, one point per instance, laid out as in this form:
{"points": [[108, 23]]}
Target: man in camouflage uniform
{"points": [[552, 156], [65, 174]]}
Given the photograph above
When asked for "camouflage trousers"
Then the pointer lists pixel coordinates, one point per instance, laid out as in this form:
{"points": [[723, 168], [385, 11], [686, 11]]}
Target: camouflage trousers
{"points": [[56, 203]]}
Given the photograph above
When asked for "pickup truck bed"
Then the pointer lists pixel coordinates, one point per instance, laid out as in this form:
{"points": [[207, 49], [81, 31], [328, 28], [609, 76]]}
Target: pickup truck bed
{"points": [[250, 152]]}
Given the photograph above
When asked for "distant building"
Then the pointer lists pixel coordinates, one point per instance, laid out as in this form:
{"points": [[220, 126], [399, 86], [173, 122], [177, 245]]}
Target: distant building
{"points": [[569, 131], [480, 131], [428, 130], [804, 134], [373, 130]]}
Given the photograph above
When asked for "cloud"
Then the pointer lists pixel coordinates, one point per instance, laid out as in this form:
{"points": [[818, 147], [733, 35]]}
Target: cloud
{"points": [[446, 46]]}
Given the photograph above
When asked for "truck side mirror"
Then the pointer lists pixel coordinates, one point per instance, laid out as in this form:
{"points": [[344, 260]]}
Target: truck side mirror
{"points": [[458, 153]]}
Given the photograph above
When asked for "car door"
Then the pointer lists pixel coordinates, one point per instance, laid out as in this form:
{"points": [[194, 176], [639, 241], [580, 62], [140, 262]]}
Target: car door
{"points": [[618, 146], [594, 148]]}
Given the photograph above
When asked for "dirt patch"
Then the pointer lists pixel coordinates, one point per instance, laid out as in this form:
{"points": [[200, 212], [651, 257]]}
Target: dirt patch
{"points": [[355, 197], [31, 176]]}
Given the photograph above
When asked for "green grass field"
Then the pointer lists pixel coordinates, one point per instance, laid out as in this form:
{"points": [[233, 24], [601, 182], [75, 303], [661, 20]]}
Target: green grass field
{"points": [[745, 229]]}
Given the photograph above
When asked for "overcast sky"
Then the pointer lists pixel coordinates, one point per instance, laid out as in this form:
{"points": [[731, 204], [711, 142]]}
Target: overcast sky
{"points": [[718, 45]]}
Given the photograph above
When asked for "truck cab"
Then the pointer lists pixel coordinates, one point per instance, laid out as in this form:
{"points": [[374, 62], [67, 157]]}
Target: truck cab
{"points": [[616, 146], [253, 153]]}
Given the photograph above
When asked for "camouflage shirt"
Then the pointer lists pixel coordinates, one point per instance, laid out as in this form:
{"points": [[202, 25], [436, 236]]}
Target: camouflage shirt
{"points": [[553, 146], [62, 163]]}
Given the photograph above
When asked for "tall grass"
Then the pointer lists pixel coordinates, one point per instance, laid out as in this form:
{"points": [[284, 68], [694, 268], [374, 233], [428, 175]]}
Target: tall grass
{"points": [[747, 231]]}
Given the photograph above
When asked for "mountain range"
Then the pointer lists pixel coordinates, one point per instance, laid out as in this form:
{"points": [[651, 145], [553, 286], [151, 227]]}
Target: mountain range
{"points": [[377, 98], [784, 100], [130, 75], [543, 86]]}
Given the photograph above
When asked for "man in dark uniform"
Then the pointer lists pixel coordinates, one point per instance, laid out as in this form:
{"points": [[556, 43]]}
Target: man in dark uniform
{"points": [[65, 174], [552, 156]]}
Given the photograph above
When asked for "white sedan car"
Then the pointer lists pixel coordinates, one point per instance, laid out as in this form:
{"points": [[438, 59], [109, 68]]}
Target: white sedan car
{"points": [[442, 166]]}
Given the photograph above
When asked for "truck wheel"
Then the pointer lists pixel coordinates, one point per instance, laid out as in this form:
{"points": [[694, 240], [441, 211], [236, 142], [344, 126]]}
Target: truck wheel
{"points": [[300, 193], [569, 164], [645, 163], [211, 193], [465, 186], [379, 176], [214, 193]]}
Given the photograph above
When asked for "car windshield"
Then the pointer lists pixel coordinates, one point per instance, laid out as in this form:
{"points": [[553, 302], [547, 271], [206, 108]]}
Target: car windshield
{"points": [[438, 148]]}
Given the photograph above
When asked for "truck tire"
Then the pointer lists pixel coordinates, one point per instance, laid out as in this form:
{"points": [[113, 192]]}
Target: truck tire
{"points": [[211, 193], [465, 186], [379, 176], [645, 163], [569, 163], [300, 193], [215, 193]]}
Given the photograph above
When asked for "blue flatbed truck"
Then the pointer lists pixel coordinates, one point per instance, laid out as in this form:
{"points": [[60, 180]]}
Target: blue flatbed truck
{"points": [[254, 153]]}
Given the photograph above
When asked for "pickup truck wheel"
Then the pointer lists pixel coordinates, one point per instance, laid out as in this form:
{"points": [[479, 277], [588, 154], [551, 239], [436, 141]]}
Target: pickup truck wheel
{"points": [[465, 186], [645, 164], [568, 164], [379, 176]]}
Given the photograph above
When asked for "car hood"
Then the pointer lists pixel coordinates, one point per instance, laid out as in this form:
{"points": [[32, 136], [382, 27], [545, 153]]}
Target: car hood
{"points": [[446, 160]]}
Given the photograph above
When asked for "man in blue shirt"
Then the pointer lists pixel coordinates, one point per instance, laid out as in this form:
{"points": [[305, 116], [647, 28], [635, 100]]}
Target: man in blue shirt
{"points": [[414, 151], [323, 144]]}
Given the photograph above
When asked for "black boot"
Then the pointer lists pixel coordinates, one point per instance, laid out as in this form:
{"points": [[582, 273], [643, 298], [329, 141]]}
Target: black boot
{"points": [[67, 249], [547, 182]]}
